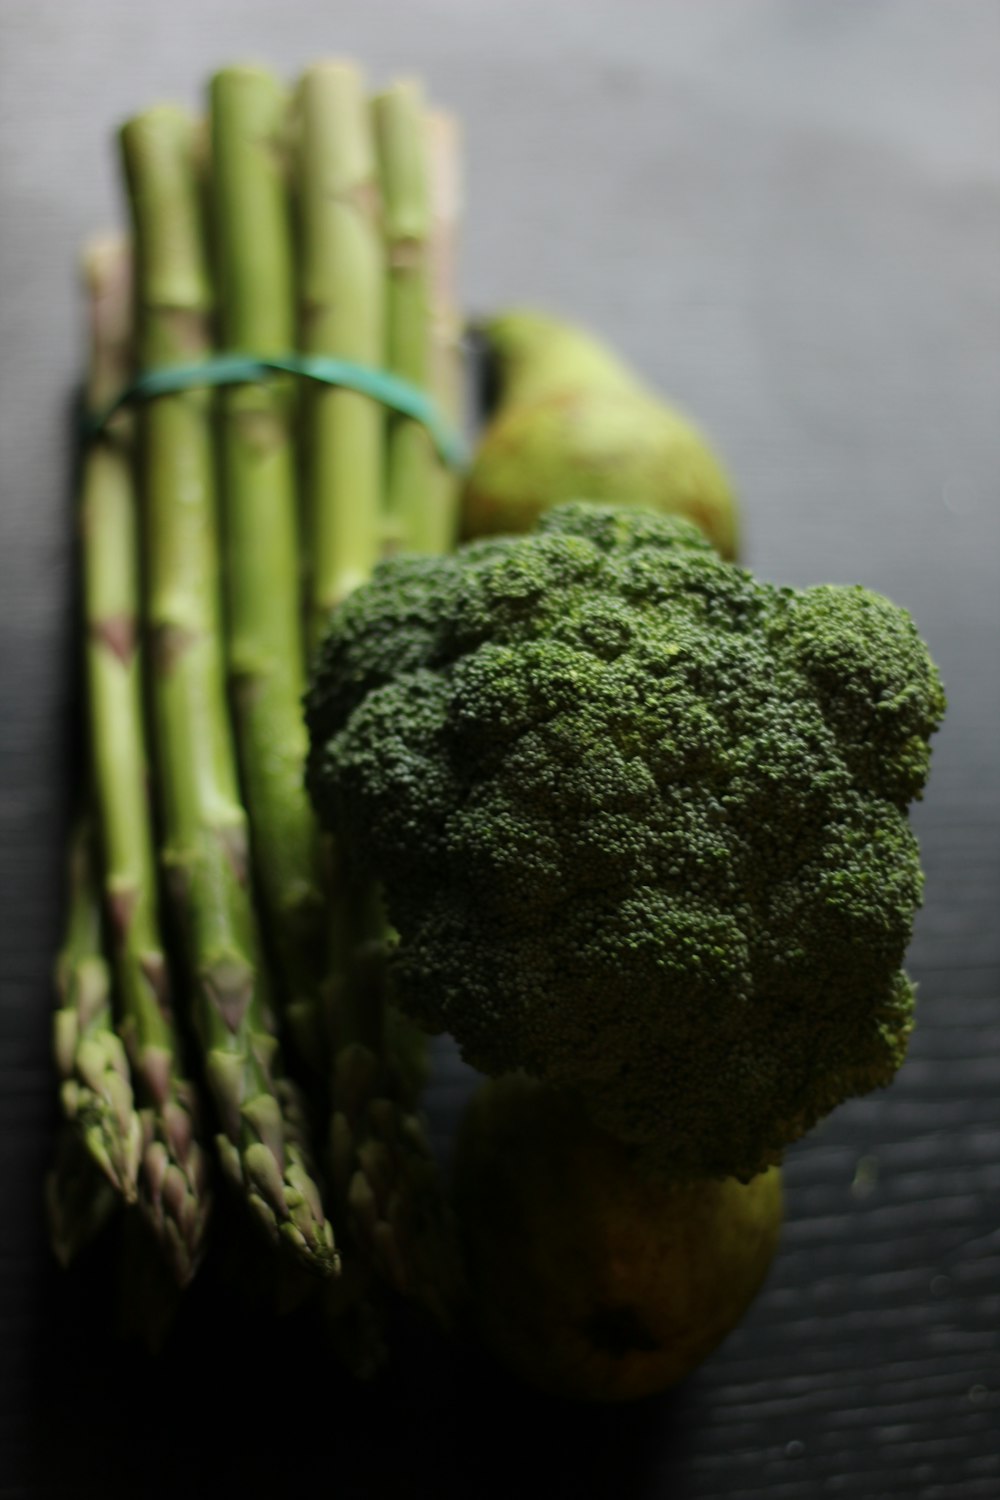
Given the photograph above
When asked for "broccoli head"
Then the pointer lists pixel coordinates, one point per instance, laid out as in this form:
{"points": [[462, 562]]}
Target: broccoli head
{"points": [[641, 821]]}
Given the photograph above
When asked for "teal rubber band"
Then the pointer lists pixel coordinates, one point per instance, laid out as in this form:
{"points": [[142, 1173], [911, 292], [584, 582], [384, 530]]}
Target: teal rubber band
{"points": [[245, 369]]}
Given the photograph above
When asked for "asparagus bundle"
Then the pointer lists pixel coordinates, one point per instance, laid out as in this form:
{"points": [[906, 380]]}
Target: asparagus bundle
{"points": [[234, 588], [204, 821]]}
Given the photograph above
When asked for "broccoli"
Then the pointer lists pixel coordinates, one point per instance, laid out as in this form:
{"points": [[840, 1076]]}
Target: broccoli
{"points": [[641, 821]]}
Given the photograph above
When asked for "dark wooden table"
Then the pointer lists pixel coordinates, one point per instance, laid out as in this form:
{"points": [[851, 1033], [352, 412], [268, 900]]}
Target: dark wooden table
{"points": [[787, 214]]}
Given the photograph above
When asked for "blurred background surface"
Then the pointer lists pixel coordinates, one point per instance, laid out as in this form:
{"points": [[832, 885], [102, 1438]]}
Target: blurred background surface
{"points": [[787, 215]]}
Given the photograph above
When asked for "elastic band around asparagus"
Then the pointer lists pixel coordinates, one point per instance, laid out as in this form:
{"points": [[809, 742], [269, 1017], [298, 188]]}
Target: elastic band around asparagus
{"points": [[96, 1085], [174, 1180], [205, 830], [342, 291], [266, 646]]}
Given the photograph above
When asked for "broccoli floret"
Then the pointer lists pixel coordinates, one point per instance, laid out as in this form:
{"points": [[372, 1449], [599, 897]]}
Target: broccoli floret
{"points": [[641, 822]]}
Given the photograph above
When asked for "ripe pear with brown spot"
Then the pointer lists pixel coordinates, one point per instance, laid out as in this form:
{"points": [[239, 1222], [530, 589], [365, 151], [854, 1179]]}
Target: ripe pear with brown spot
{"points": [[572, 422], [589, 1278]]}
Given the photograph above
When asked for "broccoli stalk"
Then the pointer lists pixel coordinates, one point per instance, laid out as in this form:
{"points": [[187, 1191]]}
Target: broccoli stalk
{"points": [[641, 822]]}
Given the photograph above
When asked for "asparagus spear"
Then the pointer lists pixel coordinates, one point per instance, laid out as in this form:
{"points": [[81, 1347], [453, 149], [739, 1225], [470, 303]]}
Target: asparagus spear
{"points": [[411, 501], [445, 331], [173, 1188], [341, 314], [79, 1199], [147, 1297], [382, 1167], [96, 1088], [205, 830], [265, 636], [389, 1188], [386, 1186]]}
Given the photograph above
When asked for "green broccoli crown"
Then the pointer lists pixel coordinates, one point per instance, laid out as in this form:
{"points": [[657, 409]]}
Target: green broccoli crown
{"points": [[640, 820]]}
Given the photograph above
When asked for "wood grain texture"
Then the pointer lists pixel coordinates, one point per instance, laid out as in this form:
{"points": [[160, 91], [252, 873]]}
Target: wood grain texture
{"points": [[788, 216]]}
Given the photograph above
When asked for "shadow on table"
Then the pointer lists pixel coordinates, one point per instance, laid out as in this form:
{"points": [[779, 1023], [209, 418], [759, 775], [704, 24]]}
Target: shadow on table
{"points": [[235, 1410]]}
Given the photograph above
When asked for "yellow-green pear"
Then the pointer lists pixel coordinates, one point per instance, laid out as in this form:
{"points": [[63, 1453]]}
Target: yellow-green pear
{"points": [[572, 422], [589, 1278]]}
